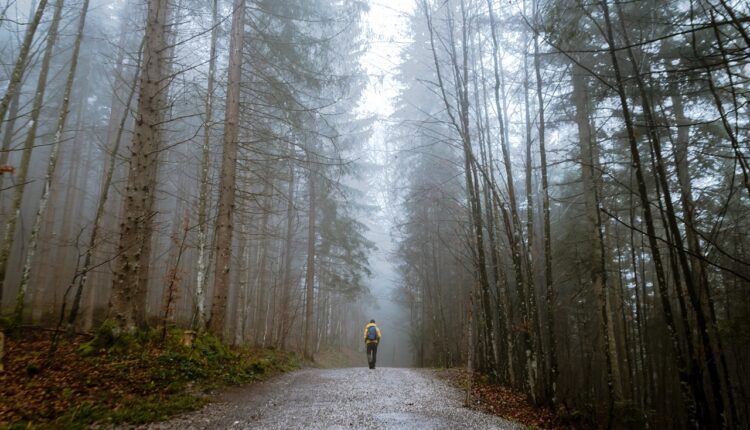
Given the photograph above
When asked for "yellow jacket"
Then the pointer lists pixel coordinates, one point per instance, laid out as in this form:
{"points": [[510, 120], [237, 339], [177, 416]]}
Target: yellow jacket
{"points": [[377, 330]]}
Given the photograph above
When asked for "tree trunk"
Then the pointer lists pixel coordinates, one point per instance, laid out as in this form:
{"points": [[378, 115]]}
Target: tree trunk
{"points": [[51, 165], [224, 225], [693, 293], [686, 384], [135, 234], [546, 233], [310, 273], [286, 280], [199, 321], [597, 256], [109, 172], [16, 76], [23, 168], [513, 225]]}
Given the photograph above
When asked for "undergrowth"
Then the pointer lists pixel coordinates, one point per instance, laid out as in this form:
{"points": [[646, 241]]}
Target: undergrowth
{"points": [[132, 379]]}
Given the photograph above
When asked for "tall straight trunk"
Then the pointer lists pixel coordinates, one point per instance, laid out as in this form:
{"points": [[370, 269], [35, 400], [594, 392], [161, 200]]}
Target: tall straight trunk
{"points": [[203, 199], [16, 76], [472, 183], [486, 194], [62, 258], [224, 225], [693, 292], [470, 347], [530, 273], [135, 235], [546, 233], [286, 280], [51, 165], [645, 383], [23, 168], [680, 152], [240, 285], [310, 273], [597, 256], [462, 127], [119, 114], [261, 278], [109, 172], [493, 214], [687, 386], [513, 225]]}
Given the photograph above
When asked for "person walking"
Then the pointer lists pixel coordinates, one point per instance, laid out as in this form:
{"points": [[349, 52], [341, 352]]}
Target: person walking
{"points": [[372, 339]]}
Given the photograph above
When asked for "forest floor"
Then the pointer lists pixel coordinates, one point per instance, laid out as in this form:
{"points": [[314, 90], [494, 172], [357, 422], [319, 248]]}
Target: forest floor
{"points": [[501, 401], [100, 382], [96, 381]]}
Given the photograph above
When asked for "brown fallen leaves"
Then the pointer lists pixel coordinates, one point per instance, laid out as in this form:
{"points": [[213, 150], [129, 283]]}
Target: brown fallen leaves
{"points": [[29, 392], [504, 402], [153, 379]]}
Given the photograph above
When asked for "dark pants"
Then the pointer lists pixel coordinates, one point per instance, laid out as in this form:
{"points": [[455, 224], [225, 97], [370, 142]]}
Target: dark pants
{"points": [[372, 353]]}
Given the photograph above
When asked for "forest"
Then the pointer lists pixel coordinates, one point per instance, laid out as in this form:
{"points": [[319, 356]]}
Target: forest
{"points": [[565, 186]]}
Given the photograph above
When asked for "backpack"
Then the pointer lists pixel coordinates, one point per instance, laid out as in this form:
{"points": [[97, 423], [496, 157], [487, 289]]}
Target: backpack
{"points": [[372, 333]]}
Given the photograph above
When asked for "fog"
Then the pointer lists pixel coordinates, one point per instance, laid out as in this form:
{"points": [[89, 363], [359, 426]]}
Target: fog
{"points": [[386, 24]]}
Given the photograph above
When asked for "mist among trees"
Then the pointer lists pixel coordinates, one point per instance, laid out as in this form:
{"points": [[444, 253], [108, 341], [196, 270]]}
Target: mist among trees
{"points": [[568, 185]]}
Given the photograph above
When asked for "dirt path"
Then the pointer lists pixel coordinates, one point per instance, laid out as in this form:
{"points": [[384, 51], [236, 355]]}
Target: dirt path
{"points": [[383, 398]]}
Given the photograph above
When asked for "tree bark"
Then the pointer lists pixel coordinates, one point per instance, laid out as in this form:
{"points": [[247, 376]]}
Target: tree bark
{"points": [[547, 231], [203, 199], [286, 280], [513, 226], [310, 273], [126, 307], [597, 256], [51, 165], [224, 225], [23, 168]]}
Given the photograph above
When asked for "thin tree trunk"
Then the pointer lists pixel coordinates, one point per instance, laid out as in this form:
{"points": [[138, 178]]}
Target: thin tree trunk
{"points": [[693, 293], [493, 214], [680, 152], [23, 168], [103, 198], [286, 280], [514, 223], [51, 165], [16, 76], [597, 254], [310, 273], [261, 280], [530, 274], [661, 282], [203, 248], [547, 232]]}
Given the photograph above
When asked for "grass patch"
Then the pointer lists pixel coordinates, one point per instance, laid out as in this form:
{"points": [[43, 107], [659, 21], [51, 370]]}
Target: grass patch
{"points": [[133, 379]]}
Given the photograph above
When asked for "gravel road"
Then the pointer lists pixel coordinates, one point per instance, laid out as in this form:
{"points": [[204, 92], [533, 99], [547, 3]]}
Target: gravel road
{"points": [[383, 398]]}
